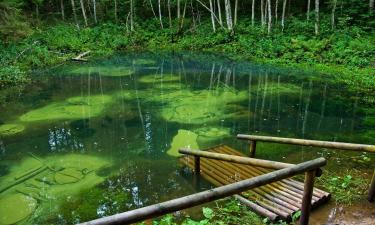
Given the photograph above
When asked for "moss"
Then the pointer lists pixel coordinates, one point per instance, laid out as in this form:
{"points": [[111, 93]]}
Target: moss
{"points": [[198, 107], [159, 78], [109, 71], [70, 109], [277, 88], [10, 129], [15, 208], [183, 139], [209, 134]]}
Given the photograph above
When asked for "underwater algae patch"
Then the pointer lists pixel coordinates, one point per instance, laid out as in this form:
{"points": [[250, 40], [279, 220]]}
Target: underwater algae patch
{"points": [[15, 208], [45, 181], [108, 71], [210, 134], [183, 139], [144, 62], [197, 107], [70, 109], [159, 78], [10, 129], [274, 88]]}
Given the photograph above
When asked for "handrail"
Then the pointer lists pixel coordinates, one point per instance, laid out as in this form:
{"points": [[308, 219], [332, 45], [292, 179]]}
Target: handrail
{"points": [[236, 159], [313, 143], [163, 208]]}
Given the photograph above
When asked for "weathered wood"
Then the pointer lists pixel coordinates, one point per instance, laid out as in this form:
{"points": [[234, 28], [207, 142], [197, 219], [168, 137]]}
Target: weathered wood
{"points": [[236, 159], [312, 143], [371, 190], [252, 148], [207, 196], [307, 195], [80, 56], [257, 209]]}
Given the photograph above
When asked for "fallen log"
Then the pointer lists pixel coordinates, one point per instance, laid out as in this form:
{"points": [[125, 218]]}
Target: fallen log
{"points": [[80, 57]]}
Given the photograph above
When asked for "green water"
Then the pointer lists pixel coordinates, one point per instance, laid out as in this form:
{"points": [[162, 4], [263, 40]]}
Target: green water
{"points": [[93, 139]]}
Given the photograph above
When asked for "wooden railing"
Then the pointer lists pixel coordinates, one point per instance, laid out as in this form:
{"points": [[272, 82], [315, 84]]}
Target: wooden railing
{"points": [[310, 168], [253, 139]]}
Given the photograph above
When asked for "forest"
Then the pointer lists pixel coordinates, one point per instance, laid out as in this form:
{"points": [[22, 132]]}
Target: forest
{"points": [[330, 36], [100, 95]]}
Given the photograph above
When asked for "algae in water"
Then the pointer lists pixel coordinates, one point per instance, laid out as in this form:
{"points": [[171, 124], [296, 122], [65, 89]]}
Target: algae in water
{"points": [[108, 71], [70, 109], [159, 78], [199, 107], [183, 139], [10, 129], [15, 208], [209, 134]]}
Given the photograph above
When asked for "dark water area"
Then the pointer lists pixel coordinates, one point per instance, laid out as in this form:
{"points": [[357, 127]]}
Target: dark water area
{"points": [[86, 140]]}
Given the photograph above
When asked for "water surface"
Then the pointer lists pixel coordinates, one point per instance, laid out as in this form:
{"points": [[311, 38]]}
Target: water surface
{"points": [[87, 140]]}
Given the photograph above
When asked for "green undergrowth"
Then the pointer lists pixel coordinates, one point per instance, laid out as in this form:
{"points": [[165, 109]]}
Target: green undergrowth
{"points": [[226, 212], [346, 186], [347, 54]]}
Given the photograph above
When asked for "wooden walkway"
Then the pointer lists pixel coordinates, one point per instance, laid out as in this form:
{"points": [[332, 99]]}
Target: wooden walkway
{"points": [[277, 200]]}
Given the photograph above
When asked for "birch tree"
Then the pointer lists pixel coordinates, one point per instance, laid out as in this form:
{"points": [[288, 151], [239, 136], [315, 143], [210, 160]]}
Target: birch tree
{"points": [[252, 12], [283, 16], [169, 13], [371, 5], [160, 17], [235, 12], [316, 17], [178, 9], [334, 3], [308, 10], [132, 15], [228, 15], [219, 12], [84, 12], [62, 9], [269, 16], [115, 11], [262, 12], [276, 9], [212, 16], [94, 6], [74, 12]]}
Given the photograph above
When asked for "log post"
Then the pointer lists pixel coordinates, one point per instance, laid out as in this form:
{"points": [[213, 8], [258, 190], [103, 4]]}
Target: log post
{"points": [[307, 195], [371, 190], [252, 148], [197, 165]]}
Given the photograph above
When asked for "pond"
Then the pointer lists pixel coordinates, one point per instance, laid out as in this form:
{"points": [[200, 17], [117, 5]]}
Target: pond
{"points": [[86, 140]]}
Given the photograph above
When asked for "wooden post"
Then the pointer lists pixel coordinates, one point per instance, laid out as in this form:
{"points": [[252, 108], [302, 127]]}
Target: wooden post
{"points": [[307, 195], [371, 190], [253, 146], [197, 165]]}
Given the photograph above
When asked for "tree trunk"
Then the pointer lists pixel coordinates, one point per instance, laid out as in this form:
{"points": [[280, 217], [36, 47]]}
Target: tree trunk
{"points": [[116, 11], [333, 14], [183, 16], [37, 11], [160, 18], [62, 9], [276, 9], [178, 9], [252, 12], [94, 6], [152, 9], [235, 12], [228, 15], [74, 13], [269, 16], [84, 12], [212, 16], [169, 13], [132, 15], [262, 12], [371, 5], [316, 17], [283, 15], [219, 11], [308, 10]]}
